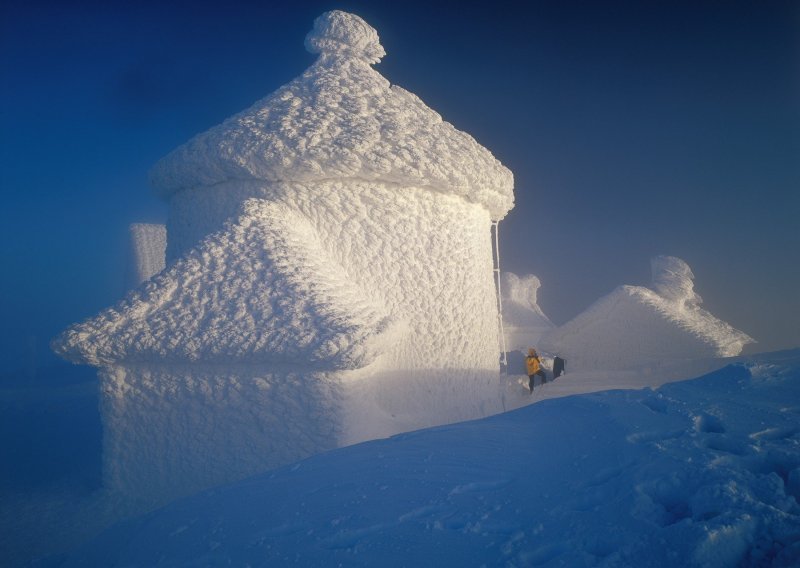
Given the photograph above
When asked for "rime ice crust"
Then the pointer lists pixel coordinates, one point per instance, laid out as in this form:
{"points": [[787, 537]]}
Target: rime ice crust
{"points": [[169, 431], [148, 252], [635, 325], [259, 291], [339, 34], [340, 119], [673, 280]]}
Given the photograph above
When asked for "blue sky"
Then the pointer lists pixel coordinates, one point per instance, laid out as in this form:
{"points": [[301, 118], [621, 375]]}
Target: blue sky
{"points": [[632, 128]]}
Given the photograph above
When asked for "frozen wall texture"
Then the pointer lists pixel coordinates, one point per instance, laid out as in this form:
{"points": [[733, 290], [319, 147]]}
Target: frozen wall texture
{"points": [[635, 325], [170, 431], [148, 252], [328, 280]]}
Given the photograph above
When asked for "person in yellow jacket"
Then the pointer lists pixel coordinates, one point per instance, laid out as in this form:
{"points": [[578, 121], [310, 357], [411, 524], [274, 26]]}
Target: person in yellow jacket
{"points": [[534, 367]]}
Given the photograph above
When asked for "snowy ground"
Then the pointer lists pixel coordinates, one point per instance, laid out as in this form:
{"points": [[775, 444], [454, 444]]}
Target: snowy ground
{"points": [[703, 472]]}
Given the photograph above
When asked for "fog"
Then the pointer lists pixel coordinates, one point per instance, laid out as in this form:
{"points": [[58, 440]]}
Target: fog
{"points": [[632, 130]]}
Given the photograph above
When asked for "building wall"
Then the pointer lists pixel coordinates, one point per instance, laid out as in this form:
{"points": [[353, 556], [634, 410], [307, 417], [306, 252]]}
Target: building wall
{"points": [[382, 403], [173, 431]]}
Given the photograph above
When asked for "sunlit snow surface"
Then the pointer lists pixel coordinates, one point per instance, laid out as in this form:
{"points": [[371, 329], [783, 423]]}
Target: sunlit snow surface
{"points": [[704, 472]]}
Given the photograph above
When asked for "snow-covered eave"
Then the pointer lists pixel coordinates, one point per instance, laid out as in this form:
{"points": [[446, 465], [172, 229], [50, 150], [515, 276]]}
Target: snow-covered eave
{"points": [[496, 196], [91, 343], [81, 352], [498, 208]]}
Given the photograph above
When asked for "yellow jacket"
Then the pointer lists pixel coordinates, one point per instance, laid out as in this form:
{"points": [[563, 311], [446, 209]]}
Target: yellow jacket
{"points": [[532, 363]]}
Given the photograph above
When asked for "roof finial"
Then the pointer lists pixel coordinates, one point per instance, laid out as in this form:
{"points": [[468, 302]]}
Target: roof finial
{"points": [[338, 33]]}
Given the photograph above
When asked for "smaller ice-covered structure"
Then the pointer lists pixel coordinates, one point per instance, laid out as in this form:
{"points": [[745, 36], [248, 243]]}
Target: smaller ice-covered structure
{"points": [[635, 325], [147, 255], [328, 279], [524, 322]]}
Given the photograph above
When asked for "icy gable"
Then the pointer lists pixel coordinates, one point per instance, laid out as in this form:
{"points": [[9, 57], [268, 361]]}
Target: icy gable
{"points": [[341, 119], [634, 325], [258, 291]]}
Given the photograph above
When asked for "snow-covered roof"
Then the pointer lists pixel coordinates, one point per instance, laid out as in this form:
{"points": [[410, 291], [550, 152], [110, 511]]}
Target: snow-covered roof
{"points": [[261, 290], [341, 119], [633, 324]]}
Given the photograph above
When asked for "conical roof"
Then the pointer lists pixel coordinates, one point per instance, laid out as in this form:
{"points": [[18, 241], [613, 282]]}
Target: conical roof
{"points": [[341, 119]]}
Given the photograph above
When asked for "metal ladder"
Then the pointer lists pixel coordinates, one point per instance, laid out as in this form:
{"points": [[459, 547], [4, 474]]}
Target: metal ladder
{"points": [[496, 260]]}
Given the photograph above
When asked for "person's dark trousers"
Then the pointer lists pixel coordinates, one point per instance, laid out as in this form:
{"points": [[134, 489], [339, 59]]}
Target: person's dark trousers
{"points": [[531, 378]]}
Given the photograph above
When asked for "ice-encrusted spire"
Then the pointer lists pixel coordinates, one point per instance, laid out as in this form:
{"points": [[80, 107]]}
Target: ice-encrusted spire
{"points": [[673, 279], [339, 34]]}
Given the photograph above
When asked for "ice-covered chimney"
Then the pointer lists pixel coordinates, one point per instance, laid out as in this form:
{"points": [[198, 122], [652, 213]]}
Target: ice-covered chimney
{"points": [[523, 319], [147, 252], [522, 289]]}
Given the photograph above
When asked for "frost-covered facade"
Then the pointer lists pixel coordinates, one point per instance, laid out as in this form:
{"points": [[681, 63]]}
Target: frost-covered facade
{"points": [[328, 280], [635, 325]]}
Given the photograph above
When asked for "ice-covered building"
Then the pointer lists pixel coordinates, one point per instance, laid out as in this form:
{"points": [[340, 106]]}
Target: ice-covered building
{"points": [[635, 325], [329, 279]]}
